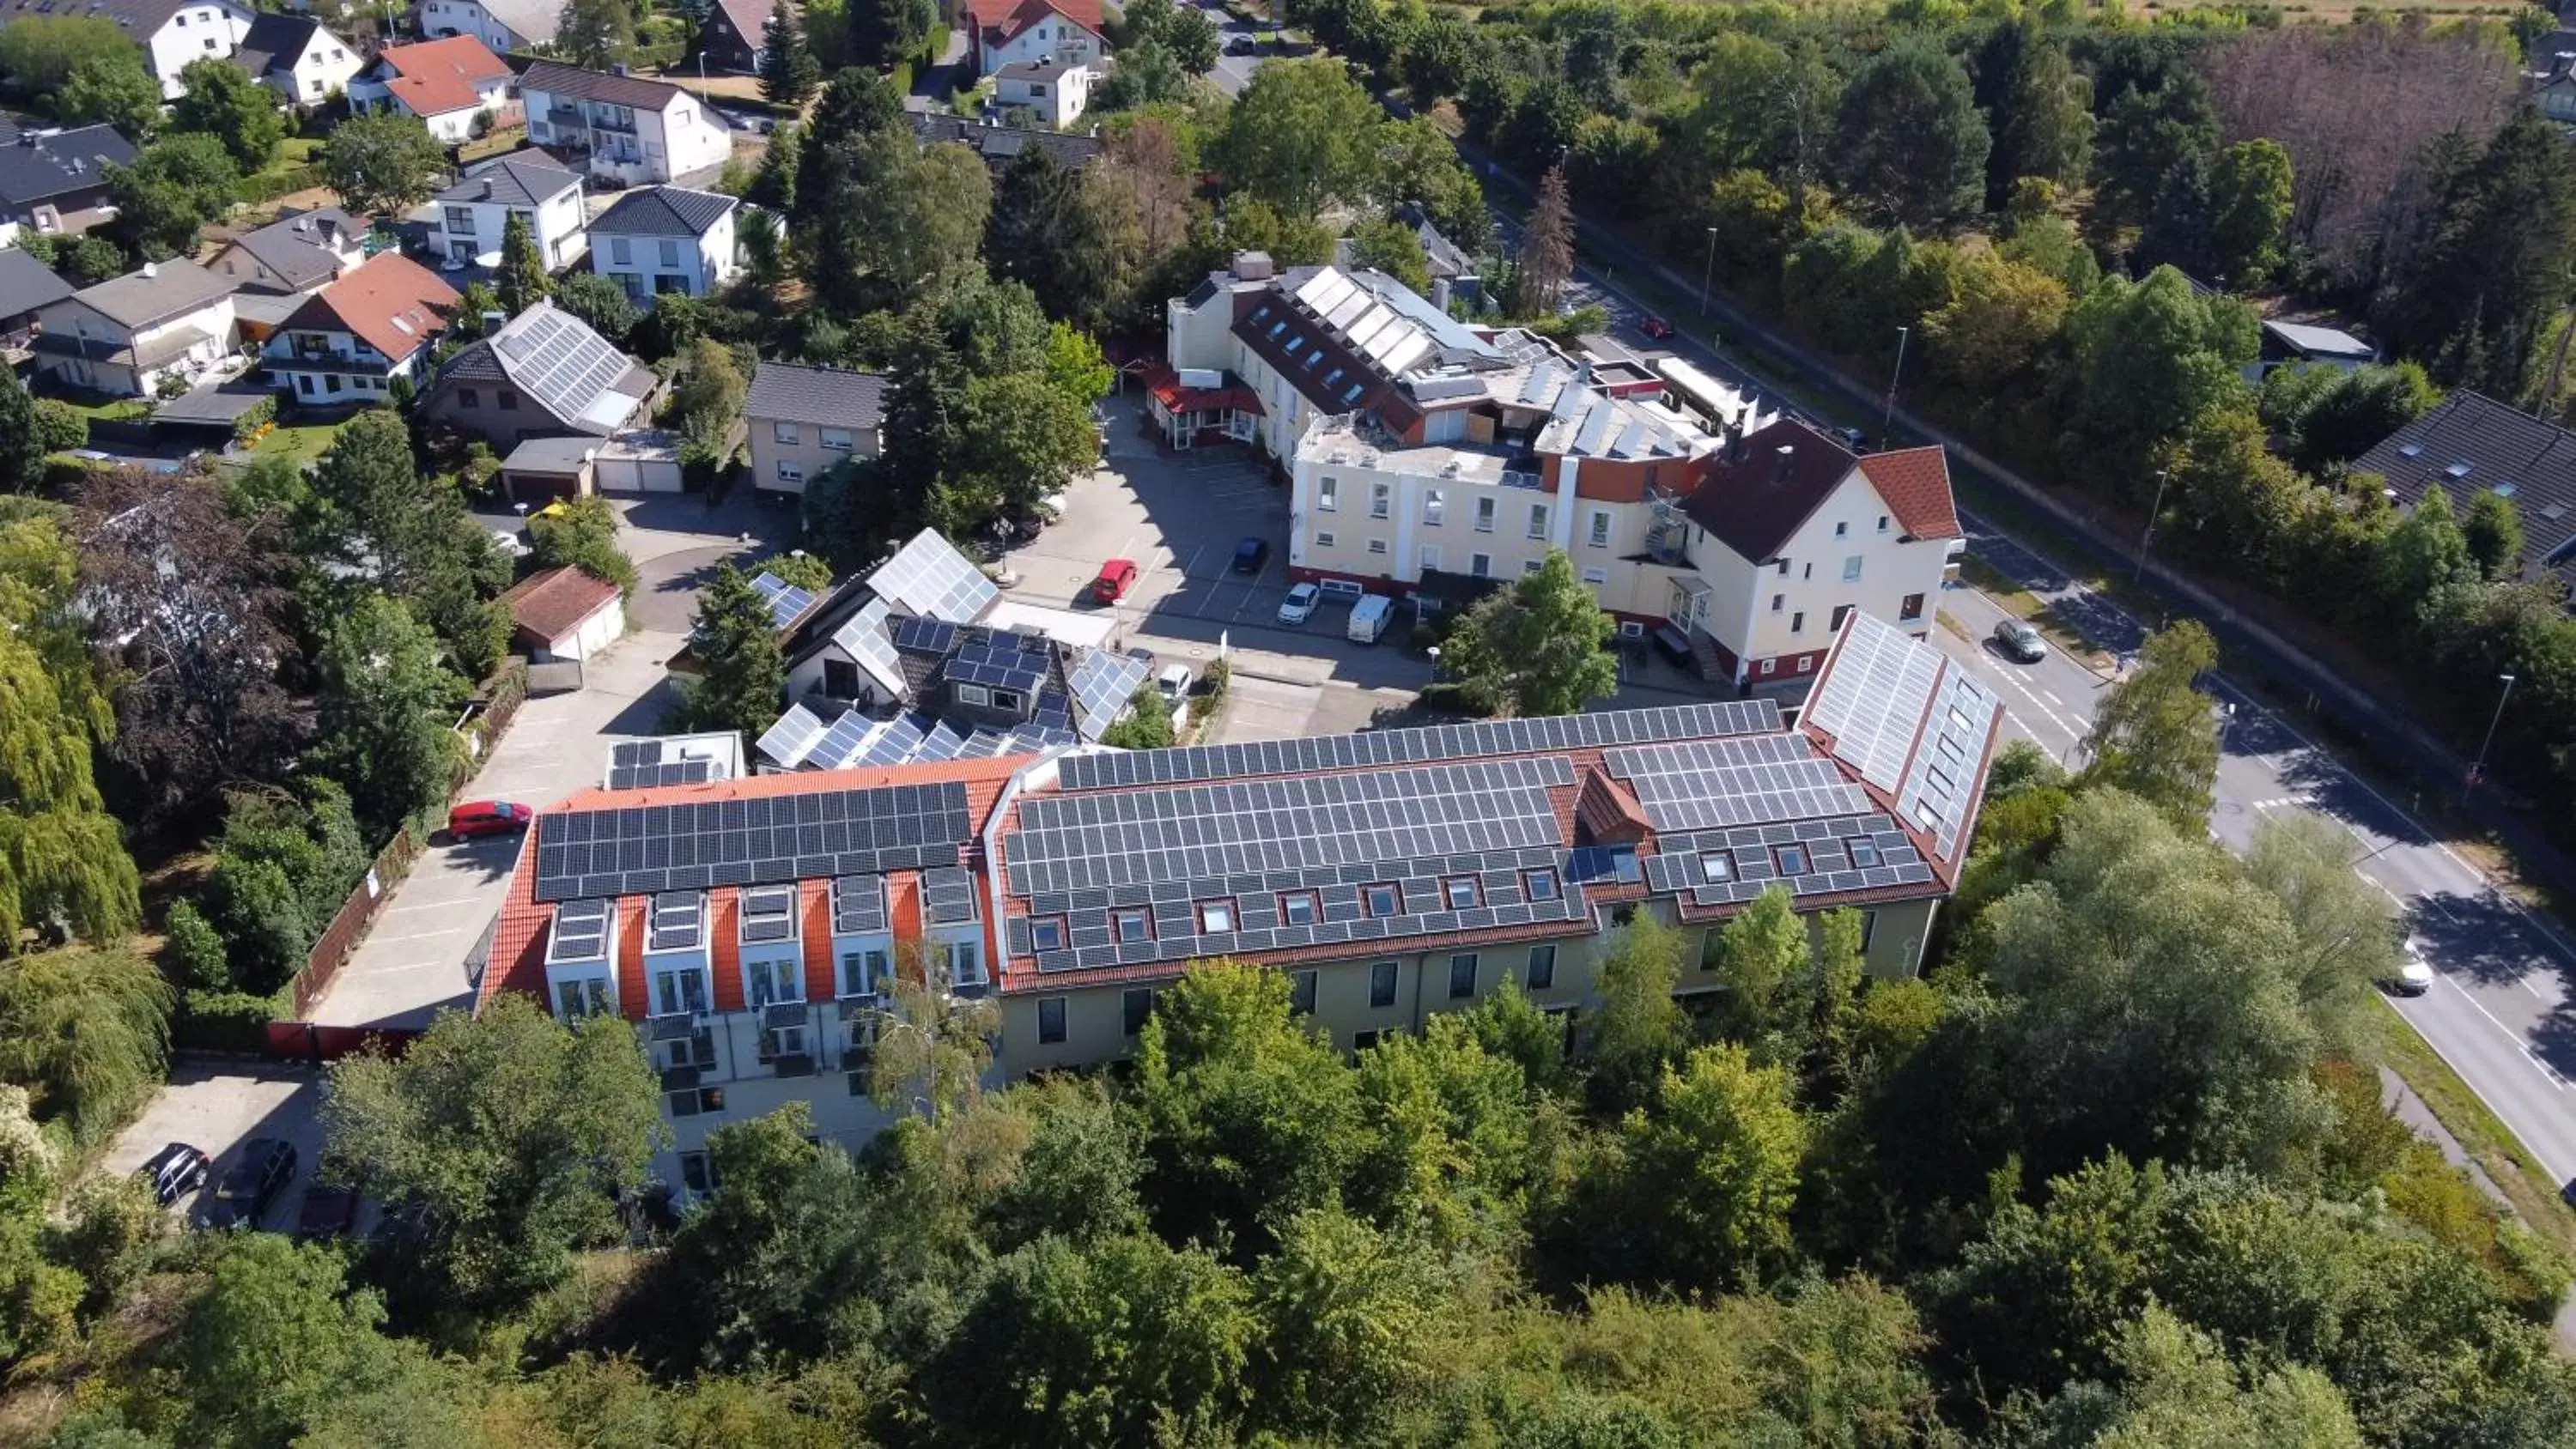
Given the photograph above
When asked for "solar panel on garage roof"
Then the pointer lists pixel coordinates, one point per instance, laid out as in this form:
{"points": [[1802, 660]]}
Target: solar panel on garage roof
{"points": [[929, 576], [641, 850]]}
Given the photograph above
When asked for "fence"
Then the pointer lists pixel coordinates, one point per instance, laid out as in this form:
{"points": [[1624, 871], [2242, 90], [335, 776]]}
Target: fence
{"points": [[308, 1041], [340, 938]]}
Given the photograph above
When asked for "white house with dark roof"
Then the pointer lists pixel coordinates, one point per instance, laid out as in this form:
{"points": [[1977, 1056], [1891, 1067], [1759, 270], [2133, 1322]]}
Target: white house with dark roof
{"points": [[125, 334], [170, 32], [504, 25], [296, 253], [804, 420], [1055, 88], [473, 214], [631, 130], [27, 287], [542, 374], [55, 182], [664, 239], [299, 59]]}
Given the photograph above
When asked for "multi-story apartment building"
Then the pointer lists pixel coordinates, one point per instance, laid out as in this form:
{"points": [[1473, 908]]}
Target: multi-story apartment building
{"points": [[1415, 445], [749, 926], [630, 130]]}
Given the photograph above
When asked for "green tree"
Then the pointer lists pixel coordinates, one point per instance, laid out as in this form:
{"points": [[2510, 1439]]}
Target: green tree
{"points": [[883, 32], [1639, 1030], [176, 185], [1395, 249], [1912, 144], [2155, 734], [2144, 132], [710, 396], [1050, 230], [1302, 136], [383, 161], [523, 282], [86, 1032], [1025, 439], [383, 709], [1995, 329], [789, 73], [40, 53], [596, 34], [2495, 271], [1538, 647], [22, 439], [2151, 359], [2038, 109], [1760, 956], [2344, 939], [381, 525], [1145, 725], [1713, 1171], [2493, 532], [2249, 199], [112, 90], [743, 676], [2176, 1385], [223, 101], [271, 1341], [2425, 562], [583, 536], [600, 303], [1349, 1322], [932, 1046], [1075, 366], [513, 1131]]}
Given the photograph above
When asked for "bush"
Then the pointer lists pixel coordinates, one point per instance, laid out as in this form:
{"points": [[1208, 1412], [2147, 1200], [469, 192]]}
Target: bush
{"points": [[223, 1021], [192, 953], [259, 415], [62, 426], [1450, 696]]}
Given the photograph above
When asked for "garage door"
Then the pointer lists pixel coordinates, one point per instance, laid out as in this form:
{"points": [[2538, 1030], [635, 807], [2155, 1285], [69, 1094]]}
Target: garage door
{"points": [[628, 474]]}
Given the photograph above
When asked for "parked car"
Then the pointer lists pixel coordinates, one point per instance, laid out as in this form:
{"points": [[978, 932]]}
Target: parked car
{"points": [[1174, 683], [174, 1172], [1369, 618], [1656, 328], [1300, 604], [1250, 555], [2019, 639], [328, 1212], [2414, 975], [488, 817], [1116, 577], [242, 1196]]}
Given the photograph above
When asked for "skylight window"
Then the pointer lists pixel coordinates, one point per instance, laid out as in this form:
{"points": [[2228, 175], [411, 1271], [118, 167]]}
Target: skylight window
{"points": [[2457, 470], [2411, 450]]}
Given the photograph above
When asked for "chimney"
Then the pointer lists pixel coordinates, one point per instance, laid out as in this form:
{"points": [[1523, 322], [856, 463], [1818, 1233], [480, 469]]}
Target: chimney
{"points": [[492, 321], [304, 223], [1780, 461], [1440, 293], [620, 68], [1252, 266], [487, 188]]}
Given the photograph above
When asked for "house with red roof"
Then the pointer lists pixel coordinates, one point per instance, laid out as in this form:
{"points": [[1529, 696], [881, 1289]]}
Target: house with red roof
{"points": [[446, 83], [1033, 33], [562, 614], [348, 342]]}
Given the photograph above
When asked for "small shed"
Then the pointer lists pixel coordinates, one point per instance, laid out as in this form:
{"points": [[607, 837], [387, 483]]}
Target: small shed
{"points": [[550, 468], [2303, 344], [564, 613]]}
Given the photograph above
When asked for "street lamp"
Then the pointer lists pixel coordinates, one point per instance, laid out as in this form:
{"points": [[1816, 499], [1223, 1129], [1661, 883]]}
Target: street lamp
{"points": [[1708, 271], [1888, 418], [2480, 767], [2148, 534]]}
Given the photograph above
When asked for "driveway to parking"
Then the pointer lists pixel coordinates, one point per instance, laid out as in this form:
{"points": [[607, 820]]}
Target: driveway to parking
{"points": [[215, 1106]]}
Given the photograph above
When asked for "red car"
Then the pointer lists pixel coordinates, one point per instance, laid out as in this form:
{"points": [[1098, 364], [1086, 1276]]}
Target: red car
{"points": [[1116, 577], [1656, 328], [488, 817]]}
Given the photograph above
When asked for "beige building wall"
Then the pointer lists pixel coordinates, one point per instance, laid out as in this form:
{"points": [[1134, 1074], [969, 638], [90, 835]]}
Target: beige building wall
{"points": [[1855, 524], [799, 446]]}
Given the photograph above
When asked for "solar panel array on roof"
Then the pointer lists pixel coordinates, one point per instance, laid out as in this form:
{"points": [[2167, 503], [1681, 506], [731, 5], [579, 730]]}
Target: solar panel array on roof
{"points": [[947, 896], [560, 362], [1000, 661], [1102, 682], [641, 765], [787, 742], [921, 634], [1412, 746], [929, 576], [677, 921], [1700, 784], [580, 933], [864, 638], [768, 914], [787, 602], [1940, 789], [640, 850], [1807, 857], [1873, 699]]}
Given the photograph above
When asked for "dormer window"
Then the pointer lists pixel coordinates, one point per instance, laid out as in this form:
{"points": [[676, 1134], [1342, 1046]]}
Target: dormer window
{"points": [[1864, 853], [1216, 918], [1460, 892], [1133, 925], [1046, 933]]}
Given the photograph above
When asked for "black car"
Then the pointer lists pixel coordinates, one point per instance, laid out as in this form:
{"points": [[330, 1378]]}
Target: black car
{"points": [[241, 1197], [175, 1171], [1250, 555]]}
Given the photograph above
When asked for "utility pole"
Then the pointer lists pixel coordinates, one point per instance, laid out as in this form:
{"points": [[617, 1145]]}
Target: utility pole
{"points": [[2147, 535], [1707, 272], [1887, 419], [2479, 769]]}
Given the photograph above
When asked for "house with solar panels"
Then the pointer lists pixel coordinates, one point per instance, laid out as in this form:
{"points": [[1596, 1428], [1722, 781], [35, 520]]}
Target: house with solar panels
{"points": [[924, 659], [542, 374], [749, 926], [1416, 446]]}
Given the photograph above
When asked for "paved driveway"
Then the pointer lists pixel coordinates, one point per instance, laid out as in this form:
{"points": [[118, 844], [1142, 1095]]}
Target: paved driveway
{"points": [[215, 1106]]}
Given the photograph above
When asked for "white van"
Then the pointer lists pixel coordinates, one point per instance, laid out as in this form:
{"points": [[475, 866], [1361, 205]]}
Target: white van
{"points": [[1369, 618]]}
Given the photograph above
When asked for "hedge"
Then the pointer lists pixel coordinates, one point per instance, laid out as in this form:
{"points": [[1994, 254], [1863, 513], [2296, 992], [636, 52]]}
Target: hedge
{"points": [[269, 185], [223, 1021]]}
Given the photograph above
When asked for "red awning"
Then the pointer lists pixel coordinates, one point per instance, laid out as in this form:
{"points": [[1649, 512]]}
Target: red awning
{"points": [[1165, 385]]}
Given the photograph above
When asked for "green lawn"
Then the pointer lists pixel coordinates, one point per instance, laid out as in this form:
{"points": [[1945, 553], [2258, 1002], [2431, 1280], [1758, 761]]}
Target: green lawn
{"points": [[303, 442], [102, 409]]}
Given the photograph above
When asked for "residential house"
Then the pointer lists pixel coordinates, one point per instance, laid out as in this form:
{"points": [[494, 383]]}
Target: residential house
{"points": [[663, 239], [348, 342], [124, 335], [474, 214], [170, 32], [1009, 32], [1054, 88], [804, 420], [2471, 444], [561, 614], [275, 267], [998, 144], [1414, 442], [2553, 76], [502, 25], [542, 374], [55, 182], [294, 56], [2306, 344], [1453, 271], [1388, 876], [735, 35], [445, 83], [629, 129], [27, 288]]}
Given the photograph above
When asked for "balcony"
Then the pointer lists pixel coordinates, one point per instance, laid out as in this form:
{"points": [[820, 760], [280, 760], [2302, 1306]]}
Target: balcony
{"points": [[674, 1026], [800, 1064], [604, 119], [680, 1079]]}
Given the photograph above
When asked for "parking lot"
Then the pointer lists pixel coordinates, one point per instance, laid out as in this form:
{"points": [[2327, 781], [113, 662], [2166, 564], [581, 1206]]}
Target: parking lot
{"points": [[215, 1107]]}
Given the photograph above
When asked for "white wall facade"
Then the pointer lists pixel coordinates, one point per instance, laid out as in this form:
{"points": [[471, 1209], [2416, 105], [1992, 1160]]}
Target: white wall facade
{"points": [[1054, 38], [649, 266], [465, 17], [326, 367], [324, 70], [213, 325], [628, 143], [470, 229], [213, 29]]}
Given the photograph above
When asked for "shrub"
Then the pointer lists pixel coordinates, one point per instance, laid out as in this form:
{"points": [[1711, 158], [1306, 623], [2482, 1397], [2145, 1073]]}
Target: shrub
{"points": [[193, 952], [223, 1021], [62, 426]]}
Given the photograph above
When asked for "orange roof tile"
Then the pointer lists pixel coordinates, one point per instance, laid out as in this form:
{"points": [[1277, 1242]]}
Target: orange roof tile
{"points": [[724, 943], [390, 302], [634, 994], [553, 603], [435, 77], [814, 908], [1011, 17], [1916, 484]]}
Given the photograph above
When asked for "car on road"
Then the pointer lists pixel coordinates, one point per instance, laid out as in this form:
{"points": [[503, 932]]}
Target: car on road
{"points": [[1656, 328], [242, 1196], [2414, 975], [1116, 577], [1300, 604], [174, 1172], [329, 1211], [1250, 555], [2019, 639], [488, 817]]}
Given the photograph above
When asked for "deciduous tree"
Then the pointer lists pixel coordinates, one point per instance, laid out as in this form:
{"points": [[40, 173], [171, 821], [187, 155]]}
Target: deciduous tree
{"points": [[383, 710], [176, 185], [601, 304], [223, 101], [87, 1032], [112, 90], [1538, 646], [2249, 203], [1912, 143], [2155, 734], [1302, 137], [383, 161], [1638, 1030]]}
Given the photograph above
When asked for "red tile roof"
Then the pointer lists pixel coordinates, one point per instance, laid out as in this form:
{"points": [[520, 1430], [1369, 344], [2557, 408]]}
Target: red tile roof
{"points": [[435, 77], [390, 302], [1916, 484], [1608, 811], [1011, 17], [1165, 385], [552, 604]]}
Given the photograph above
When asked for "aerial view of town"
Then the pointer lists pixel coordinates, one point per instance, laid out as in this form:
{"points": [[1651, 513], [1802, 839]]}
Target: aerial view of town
{"points": [[1580, 724]]}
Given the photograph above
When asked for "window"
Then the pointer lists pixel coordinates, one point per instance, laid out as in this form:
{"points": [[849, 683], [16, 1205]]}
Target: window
{"points": [[1539, 885], [1050, 1019], [1910, 608], [507, 400], [1770, 664], [621, 251], [786, 433], [973, 694], [1717, 866], [586, 997], [861, 971], [1459, 891], [1434, 505], [670, 252], [1382, 900], [1864, 852], [1046, 934], [1841, 612], [1798, 622], [1323, 540], [1462, 976], [1007, 699], [961, 962], [1481, 565], [1882, 523], [1297, 908], [1841, 529], [1301, 992], [1595, 578], [1328, 494], [1784, 568], [1135, 1005], [1381, 498], [1542, 968], [465, 398], [1792, 859], [1851, 569], [677, 991], [1531, 565], [1484, 515], [1216, 918], [1806, 663], [1431, 555], [1382, 983], [766, 981], [1363, 1040], [838, 439], [695, 1173], [791, 472], [1132, 925], [1377, 546], [1538, 520], [1600, 534], [1868, 928]]}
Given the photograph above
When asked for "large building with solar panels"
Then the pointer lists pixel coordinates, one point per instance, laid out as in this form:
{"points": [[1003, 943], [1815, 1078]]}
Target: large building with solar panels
{"points": [[1418, 446], [750, 926]]}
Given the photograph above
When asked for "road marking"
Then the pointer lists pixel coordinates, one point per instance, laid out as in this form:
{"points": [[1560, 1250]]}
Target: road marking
{"points": [[2515, 1037], [2556, 1173]]}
